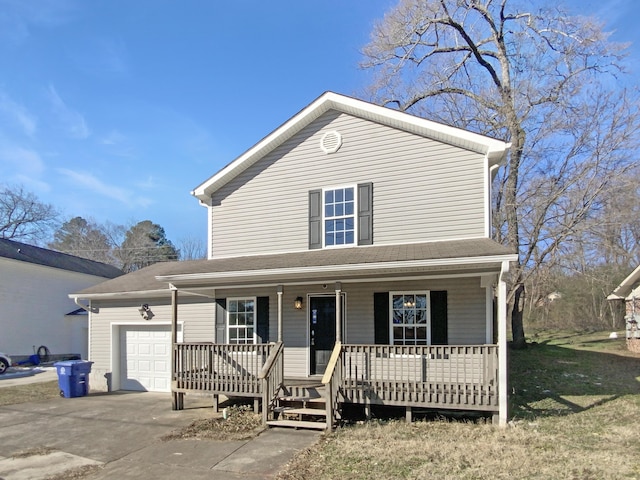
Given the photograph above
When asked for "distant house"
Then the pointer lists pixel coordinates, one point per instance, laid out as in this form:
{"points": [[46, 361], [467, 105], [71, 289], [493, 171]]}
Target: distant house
{"points": [[629, 292], [35, 309], [350, 262]]}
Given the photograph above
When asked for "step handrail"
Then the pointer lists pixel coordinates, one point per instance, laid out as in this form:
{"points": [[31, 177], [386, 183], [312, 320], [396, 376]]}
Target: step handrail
{"points": [[332, 379], [272, 377]]}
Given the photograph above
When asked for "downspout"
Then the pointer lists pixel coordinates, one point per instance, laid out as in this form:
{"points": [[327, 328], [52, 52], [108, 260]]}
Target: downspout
{"points": [[502, 345], [86, 308]]}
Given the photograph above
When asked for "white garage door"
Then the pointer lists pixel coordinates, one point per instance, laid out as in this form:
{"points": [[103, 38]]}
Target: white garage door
{"points": [[145, 356]]}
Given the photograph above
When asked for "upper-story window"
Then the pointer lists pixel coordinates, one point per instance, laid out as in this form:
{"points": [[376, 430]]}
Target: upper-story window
{"points": [[339, 217]]}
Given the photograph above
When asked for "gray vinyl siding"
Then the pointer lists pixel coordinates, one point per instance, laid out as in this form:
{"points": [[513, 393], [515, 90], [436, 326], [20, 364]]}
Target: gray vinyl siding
{"points": [[466, 317], [466, 308], [424, 190], [195, 315]]}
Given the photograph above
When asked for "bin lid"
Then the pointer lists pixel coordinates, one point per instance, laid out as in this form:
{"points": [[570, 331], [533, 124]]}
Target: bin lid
{"points": [[70, 363]]}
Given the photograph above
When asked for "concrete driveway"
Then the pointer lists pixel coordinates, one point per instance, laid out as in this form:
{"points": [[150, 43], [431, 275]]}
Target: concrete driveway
{"points": [[121, 432]]}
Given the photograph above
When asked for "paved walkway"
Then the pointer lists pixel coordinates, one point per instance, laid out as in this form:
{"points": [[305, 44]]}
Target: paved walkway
{"points": [[122, 432]]}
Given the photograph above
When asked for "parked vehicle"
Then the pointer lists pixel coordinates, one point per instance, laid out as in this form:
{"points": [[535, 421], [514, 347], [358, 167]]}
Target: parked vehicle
{"points": [[5, 362]]}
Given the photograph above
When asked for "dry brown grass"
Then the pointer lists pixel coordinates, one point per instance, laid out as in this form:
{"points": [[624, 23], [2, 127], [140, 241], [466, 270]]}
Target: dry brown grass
{"points": [[576, 410], [241, 424], [32, 392]]}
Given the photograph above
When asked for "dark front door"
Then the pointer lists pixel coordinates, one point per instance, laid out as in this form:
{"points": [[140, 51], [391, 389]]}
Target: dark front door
{"points": [[322, 332]]}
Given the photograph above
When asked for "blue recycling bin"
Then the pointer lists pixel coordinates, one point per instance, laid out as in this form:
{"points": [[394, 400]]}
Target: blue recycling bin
{"points": [[73, 377]]}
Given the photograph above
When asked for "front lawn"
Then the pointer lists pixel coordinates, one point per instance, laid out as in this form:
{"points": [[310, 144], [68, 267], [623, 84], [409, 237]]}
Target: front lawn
{"points": [[575, 411]]}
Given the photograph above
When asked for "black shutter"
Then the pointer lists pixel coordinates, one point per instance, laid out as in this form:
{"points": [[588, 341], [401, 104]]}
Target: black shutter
{"points": [[365, 214], [315, 219], [262, 312], [439, 328], [381, 317], [221, 320]]}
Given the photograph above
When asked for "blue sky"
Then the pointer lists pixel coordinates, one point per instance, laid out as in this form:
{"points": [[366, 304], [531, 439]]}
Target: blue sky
{"points": [[115, 110]]}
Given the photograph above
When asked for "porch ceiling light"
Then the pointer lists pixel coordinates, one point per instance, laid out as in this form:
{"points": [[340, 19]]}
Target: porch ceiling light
{"points": [[298, 303]]}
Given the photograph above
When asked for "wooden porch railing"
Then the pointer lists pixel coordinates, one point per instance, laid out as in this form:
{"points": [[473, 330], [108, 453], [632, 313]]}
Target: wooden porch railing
{"points": [[219, 368], [332, 381], [454, 376], [272, 377]]}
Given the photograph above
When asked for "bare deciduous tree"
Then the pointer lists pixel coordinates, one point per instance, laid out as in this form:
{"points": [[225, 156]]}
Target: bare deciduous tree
{"points": [[23, 217], [540, 79], [192, 248]]}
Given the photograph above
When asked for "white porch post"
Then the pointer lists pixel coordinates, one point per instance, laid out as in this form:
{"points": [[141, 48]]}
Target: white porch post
{"points": [[280, 292], [177, 400], [502, 345], [338, 311]]}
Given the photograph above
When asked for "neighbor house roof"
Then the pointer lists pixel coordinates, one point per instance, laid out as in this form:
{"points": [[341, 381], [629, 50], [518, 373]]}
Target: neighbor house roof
{"points": [[493, 149], [625, 288], [344, 264], [49, 258]]}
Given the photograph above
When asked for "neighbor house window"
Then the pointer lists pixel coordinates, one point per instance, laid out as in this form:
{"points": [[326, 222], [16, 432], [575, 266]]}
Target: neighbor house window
{"points": [[409, 318], [339, 217], [241, 320]]}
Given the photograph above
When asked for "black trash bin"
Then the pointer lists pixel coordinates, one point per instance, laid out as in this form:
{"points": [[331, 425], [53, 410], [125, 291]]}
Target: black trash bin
{"points": [[73, 377]]}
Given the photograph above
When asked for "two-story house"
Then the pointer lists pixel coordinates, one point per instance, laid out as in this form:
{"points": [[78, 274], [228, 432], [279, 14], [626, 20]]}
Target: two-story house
{"points": [[349, 259]]}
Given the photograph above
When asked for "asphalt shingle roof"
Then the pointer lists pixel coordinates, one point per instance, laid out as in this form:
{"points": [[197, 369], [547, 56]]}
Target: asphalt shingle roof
{"points": [[50, 258], [145, 279]]}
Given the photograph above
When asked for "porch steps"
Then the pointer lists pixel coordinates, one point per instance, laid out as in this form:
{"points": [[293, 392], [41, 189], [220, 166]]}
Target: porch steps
{"points": [[300, 407], [297, 424]]}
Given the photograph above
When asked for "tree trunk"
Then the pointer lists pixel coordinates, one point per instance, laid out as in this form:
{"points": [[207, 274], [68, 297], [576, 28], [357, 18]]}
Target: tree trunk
{"points": [[517, 327]]}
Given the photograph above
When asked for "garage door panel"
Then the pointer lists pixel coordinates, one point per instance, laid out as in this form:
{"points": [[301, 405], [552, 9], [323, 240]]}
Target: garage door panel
{"points": [[145, 360]]}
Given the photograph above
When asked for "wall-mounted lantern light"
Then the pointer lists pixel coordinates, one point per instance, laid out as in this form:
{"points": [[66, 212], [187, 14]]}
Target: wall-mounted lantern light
{"points": [[145, 311], [298, 303]]}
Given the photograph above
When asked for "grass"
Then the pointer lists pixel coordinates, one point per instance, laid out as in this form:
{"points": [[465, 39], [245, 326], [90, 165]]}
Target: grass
{"points": [[240, 424], [575, 411], [32, 392]]}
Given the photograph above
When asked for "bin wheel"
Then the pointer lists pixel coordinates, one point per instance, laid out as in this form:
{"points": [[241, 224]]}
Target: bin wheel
{"points": [[3, 365], [62, 393]]}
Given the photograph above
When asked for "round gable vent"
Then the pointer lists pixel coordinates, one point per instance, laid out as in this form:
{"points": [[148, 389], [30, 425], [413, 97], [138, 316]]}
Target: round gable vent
{"points": [[331, 142]]}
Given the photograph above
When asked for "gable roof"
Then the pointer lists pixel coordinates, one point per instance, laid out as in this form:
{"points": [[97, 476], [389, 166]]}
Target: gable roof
{"points": [[344, 264], [49, 258], [493, 149], [625, 288]]}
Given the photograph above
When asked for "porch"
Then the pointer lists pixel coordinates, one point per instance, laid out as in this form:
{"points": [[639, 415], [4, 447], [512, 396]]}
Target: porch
{"points": [[456, 377]]}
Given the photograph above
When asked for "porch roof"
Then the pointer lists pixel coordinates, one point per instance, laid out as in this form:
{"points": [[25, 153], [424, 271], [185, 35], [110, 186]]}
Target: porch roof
{"points": [[480, 255]]}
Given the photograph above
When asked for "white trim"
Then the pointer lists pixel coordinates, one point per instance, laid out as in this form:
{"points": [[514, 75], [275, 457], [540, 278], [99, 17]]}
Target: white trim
{"points": [[502, 345], [493, 149], [255, 317], [444, 262], [353, 187], [307, 347], [209, 232], [427, 294], [624, 290], [114, 332]]}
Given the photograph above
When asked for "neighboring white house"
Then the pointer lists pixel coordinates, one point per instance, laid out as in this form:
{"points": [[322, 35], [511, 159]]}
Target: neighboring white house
{"points": [[352, 245], [35, 308]]}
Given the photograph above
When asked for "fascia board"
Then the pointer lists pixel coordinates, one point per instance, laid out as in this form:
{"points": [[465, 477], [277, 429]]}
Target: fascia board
{"points": [[625, 287], [119, 295], [493, 149], [336, 269]]}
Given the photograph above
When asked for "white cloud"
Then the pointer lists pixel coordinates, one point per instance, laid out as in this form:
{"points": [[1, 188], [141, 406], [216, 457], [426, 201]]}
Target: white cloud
{"points": [[18, 115], [114, 137], [72, 121], [20, 160], [96, 186], [19, 17]]}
